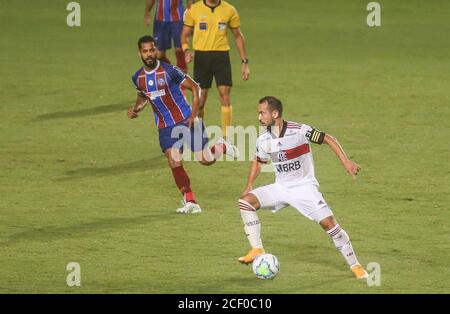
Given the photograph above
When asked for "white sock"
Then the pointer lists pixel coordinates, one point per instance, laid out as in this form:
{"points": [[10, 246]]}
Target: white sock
{"points": [[252, 226], [342, 242]]}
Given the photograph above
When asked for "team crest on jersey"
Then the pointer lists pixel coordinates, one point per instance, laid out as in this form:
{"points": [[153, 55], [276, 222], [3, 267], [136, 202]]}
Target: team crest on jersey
{"points": [[150, 82], [161, 82], [282, 156]]}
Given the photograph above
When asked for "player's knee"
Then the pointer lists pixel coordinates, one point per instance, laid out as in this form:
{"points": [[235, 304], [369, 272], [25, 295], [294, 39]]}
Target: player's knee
{"points": [[173, 160], [174, 164], [328, 223], [205, 157], [205, 162], [249, 200]]}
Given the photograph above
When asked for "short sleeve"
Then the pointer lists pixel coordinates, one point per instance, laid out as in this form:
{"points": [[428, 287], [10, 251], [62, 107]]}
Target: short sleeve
{"points": [[305, 129], [134, 81], [176, 75], [261, 155], [235, 20], [188, 18], [135, 85]]}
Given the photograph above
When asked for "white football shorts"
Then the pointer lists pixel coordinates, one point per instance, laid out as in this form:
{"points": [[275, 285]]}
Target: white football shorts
{"points": [[307, 199]]}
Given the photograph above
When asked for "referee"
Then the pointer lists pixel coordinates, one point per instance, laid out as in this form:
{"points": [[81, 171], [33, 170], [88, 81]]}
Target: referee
{"points": [[208, 21]]}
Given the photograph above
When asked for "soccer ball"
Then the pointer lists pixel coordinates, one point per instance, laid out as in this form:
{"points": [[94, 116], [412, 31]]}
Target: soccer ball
{"points": [[266, 266]]}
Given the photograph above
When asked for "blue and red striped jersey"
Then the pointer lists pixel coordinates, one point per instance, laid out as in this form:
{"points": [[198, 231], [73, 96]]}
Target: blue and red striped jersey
{"points": [[169, 10], [162, 87]]}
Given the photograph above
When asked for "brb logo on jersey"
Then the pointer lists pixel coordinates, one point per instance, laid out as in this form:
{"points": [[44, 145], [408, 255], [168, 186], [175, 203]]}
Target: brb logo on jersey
{"points": [[287, 167]]}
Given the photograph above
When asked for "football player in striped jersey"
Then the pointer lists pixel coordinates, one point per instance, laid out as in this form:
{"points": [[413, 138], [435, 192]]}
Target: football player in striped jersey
{"points": [[159, 84]]}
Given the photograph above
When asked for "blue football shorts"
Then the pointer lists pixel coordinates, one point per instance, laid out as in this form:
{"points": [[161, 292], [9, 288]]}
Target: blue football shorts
{"points": [[166, 32], [179, 135]]}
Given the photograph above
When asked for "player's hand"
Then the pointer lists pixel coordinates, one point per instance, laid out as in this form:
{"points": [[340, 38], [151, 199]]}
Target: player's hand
{"points": [[352, 168], [245, 71], [147, 19], [188, 56], [131, 113]]}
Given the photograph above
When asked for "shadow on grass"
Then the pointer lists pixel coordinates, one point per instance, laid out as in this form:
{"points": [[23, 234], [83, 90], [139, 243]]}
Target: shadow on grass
{"points": [[83, 229], [130, 167], [86, 112]]}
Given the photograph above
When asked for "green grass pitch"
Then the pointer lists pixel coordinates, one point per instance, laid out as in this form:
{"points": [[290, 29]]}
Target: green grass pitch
{"points": [[81, 182]]}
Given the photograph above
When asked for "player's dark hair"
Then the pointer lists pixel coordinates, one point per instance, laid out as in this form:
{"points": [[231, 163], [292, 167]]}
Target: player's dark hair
{"points": [[274, 103], [145, 39]]}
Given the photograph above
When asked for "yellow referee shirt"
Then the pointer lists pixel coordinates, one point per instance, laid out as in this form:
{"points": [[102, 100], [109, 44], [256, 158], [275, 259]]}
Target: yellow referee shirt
{"points": [[210, 25]]}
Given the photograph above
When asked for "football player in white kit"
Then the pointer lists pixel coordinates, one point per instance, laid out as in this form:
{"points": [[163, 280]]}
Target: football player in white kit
{"points": [[287, 144]]}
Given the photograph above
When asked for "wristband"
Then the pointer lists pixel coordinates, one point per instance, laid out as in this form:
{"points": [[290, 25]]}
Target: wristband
{"points": [[245, 60]]}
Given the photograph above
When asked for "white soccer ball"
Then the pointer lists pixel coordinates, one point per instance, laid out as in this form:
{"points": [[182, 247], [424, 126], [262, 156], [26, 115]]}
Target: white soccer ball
{"points": [[266, 266]]}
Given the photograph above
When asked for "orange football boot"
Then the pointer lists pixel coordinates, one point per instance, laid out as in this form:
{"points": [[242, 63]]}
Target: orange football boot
{"points": [[251, 255], [359, 271]]}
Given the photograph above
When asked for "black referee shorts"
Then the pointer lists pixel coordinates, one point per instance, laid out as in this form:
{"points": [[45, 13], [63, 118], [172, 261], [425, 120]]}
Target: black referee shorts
{"points": [[212, 63]]}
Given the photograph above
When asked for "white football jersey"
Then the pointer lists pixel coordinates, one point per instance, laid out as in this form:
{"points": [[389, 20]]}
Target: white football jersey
{"points": [[290, 154]]}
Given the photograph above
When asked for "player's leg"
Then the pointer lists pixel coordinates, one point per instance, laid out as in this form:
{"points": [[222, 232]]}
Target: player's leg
{"points": [[248, 205], [198, 142], [343, 244], [310, 202], [161, 34], [262, 197], [226, 110], [175, 33], [224, 146], [172, 150], [203, 75], [202, 105], [222, 75]]}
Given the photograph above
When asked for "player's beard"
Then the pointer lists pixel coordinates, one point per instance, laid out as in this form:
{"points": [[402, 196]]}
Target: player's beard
{"points": [[150, 62], [269, 124]]}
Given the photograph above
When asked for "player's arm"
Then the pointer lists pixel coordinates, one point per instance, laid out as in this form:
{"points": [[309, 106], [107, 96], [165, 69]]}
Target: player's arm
{"points": [[141, 102], [185, 34], [195, 88], [148, 7], [351, 167], [255, 170], [240, 45]]}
